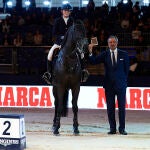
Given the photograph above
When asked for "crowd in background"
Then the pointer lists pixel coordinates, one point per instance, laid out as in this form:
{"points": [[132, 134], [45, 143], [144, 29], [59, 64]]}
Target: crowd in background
{"points": [[34, 27]]}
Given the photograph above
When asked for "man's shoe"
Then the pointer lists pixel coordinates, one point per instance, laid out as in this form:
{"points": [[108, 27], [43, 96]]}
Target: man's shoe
{"points": [[112, 132], [123, 132]]}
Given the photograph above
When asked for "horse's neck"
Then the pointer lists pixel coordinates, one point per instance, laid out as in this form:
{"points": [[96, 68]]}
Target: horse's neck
{"points": [[69, 48], [69, 43]]}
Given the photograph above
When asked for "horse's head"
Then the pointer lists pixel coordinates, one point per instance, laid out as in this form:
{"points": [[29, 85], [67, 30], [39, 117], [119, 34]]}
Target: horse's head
{"points": [[75, 38], [80, 36]]}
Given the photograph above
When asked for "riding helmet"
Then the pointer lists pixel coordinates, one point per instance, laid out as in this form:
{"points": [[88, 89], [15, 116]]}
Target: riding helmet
{"points": [[66, 6]]}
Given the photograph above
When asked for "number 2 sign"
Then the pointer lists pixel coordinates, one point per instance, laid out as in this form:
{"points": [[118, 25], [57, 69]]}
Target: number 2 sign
{"points": [[12, 126]]}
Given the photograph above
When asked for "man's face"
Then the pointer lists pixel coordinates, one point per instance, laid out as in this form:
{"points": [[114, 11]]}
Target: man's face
{"points": [[112, 43], [66, 13]]}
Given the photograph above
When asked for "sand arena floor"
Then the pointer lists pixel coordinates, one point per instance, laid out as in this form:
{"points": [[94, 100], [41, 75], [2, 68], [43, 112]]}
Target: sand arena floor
{"points": [[93, 130]]}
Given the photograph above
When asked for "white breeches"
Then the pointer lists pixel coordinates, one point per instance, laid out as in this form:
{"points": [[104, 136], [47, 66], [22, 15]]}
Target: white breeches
{"points": [[50, 53]]}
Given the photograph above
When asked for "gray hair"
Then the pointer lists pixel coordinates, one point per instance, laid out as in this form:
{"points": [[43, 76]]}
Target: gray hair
{"points": [[113, 37]]}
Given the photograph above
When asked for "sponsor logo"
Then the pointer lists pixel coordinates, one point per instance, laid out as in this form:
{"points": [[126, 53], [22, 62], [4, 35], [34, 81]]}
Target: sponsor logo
{"points": [[6, 142], [89, 97]]}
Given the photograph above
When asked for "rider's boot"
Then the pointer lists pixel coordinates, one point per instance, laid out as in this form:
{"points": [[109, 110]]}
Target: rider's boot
{"points": [[48, 75]]}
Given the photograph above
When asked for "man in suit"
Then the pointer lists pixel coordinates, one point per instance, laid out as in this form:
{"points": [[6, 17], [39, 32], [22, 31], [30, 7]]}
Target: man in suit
{"points": [[116, 64]]}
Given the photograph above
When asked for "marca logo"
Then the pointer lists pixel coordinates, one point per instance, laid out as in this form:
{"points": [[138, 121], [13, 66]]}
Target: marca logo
{"points": [[137, 98], [25, 96], [89, 97]]}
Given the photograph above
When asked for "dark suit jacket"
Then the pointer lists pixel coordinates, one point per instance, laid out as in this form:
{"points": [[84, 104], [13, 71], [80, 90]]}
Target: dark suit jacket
{"points": [[115, 77], [60, 28]]}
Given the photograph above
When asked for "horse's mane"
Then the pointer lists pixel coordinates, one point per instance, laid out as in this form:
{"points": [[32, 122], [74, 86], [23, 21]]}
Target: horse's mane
{"points": [[76, 23], [80, 26]]}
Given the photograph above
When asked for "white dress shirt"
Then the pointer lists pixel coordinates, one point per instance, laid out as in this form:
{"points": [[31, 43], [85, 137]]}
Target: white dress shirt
{"points": [[115, 53]]}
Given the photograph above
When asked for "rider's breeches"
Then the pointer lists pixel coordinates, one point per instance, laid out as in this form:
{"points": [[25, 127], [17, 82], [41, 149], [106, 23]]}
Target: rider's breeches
{"points": [[50, 54]]}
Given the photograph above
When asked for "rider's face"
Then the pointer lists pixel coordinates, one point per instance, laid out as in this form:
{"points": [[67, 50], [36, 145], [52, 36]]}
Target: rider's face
{"points": [[66, 13]]}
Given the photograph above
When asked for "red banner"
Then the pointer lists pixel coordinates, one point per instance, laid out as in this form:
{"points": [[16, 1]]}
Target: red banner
{"points": [[89, 97]]}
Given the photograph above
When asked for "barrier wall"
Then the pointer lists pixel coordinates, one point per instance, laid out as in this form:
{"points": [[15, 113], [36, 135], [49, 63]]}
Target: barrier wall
{"points": [[90, 97]]}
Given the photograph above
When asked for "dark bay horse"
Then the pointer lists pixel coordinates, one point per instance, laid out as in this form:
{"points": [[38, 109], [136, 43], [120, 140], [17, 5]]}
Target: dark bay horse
{"points": [[67, 74]]}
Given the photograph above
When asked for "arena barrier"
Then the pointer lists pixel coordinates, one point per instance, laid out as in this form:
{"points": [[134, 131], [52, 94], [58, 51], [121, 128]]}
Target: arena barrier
{"points": [[90, 97]]}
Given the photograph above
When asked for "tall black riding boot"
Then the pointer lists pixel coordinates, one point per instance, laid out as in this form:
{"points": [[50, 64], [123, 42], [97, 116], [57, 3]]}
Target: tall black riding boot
{"points": [[49, 66]]}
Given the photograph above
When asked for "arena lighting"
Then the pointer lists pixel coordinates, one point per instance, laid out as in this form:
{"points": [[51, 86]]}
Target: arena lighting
{"points": [[9, 4], [146, 2], [84, 2], [105, 2], [27, 3], [46, 3], [65, 2], [125, 1]]}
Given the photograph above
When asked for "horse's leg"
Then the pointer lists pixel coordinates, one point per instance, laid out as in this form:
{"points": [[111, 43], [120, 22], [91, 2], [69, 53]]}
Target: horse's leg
{"points": [[65, 103], [75, 94], [55, 104], [59, 107]]}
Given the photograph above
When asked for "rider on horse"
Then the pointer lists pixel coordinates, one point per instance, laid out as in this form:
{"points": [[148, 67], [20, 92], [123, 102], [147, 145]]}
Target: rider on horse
{"points": [[60, 27]]}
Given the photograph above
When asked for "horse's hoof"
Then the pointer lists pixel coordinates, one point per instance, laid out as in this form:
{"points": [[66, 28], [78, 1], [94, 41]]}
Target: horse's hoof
{"points": [[56, 133], [55, 130], [76, 131]]}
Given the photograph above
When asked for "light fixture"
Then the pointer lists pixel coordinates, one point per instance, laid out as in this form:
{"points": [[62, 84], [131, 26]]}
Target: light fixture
{"points": [[9, 4], [146, 2], [85, 2], [46, 2], [27, 3], [65, 2], [125, 1], [105, 2]]}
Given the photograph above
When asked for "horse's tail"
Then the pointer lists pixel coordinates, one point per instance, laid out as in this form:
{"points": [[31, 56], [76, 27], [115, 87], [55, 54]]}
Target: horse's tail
{"points": [[65, 104]]}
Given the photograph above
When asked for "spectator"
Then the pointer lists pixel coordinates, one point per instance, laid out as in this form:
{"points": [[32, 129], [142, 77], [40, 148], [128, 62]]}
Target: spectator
{"points": [[21, 21], [133, 66], [91, 6], [5, 26], [136, 9], [6, 40], [135, 34], [90, 11], [125, 23], [38, 38], [18, 40], [29, 38]]}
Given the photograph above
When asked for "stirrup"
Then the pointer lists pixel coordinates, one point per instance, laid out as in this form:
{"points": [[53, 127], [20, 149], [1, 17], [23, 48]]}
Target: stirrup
{"points": [[85, 75], [47, 77]]}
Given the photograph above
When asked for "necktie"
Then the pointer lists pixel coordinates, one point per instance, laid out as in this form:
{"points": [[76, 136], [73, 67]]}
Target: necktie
{"points": [[114, 60]]}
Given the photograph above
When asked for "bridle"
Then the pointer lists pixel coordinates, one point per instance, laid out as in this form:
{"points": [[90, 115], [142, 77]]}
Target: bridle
{"points": [[80, 42]]}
